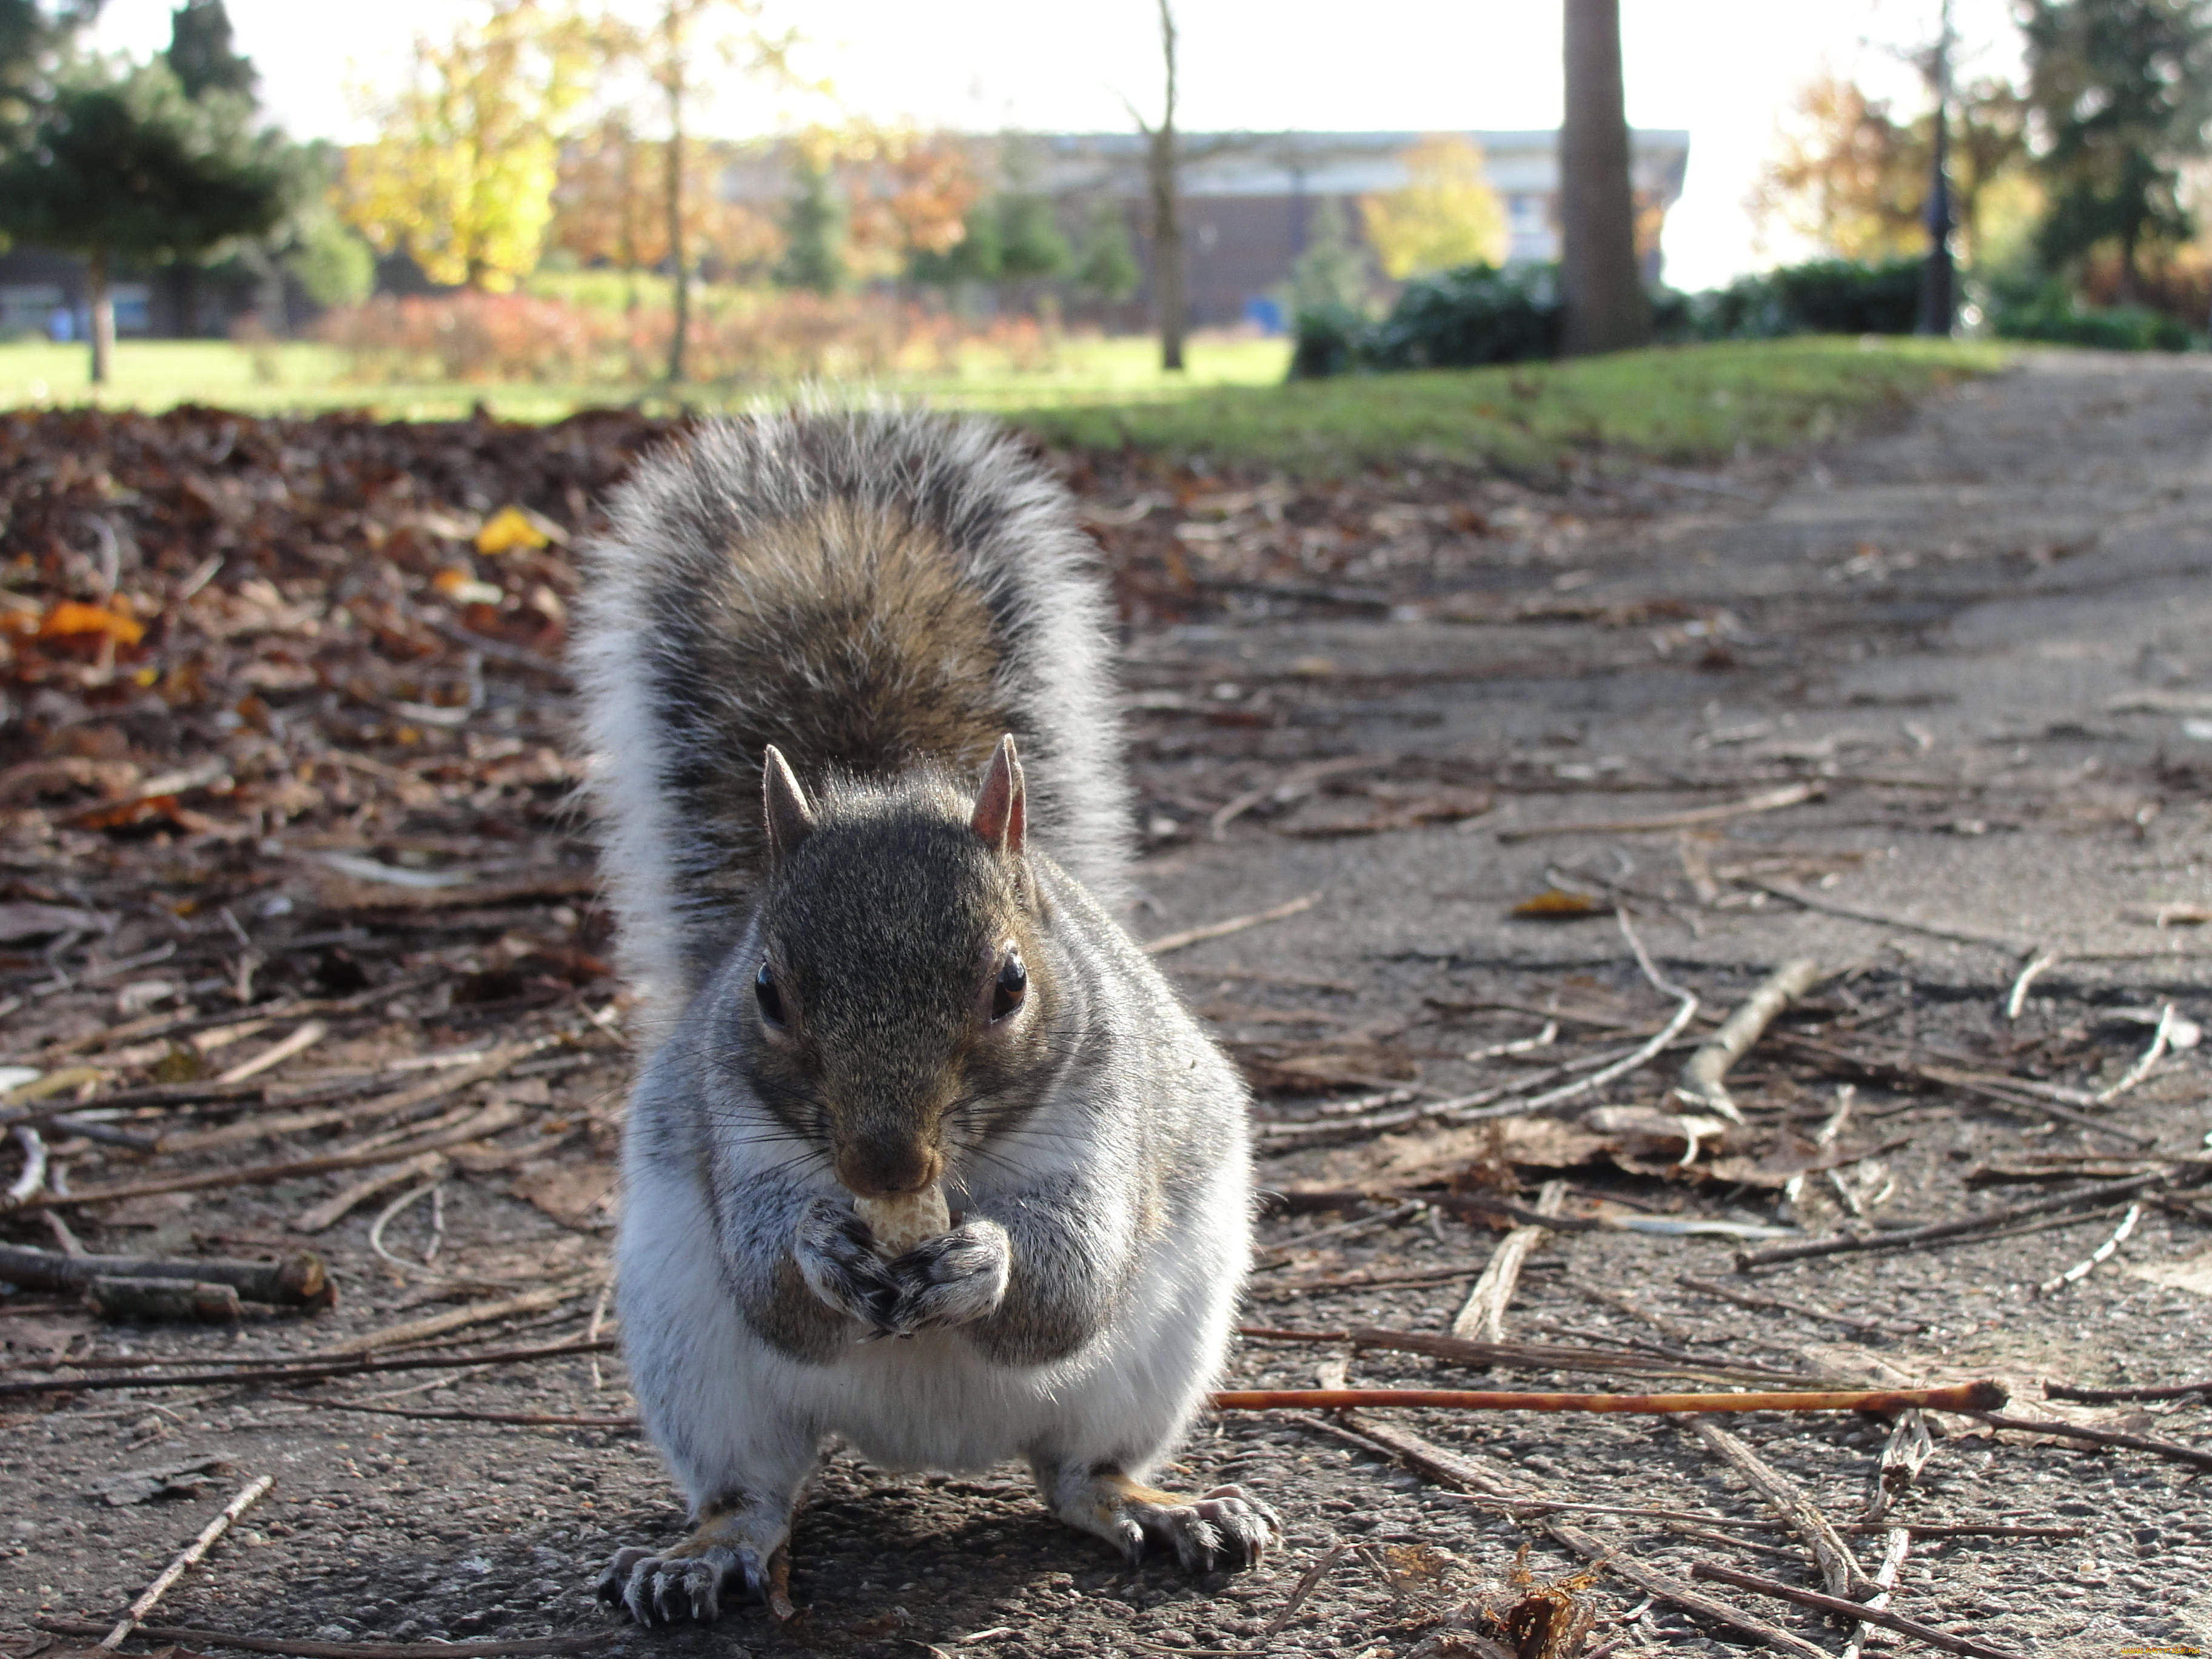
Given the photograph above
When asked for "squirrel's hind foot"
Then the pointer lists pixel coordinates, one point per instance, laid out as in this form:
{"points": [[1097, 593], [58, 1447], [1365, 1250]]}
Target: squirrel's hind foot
{"points": [[688, 1581], [1225, 1526]]}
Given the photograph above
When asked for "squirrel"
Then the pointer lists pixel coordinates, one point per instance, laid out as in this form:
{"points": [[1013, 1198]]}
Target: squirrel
{"points": [[866, 977]]}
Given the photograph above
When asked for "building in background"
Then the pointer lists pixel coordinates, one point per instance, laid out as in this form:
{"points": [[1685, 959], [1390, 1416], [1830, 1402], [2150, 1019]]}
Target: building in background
{"points": [[1249, 204]]}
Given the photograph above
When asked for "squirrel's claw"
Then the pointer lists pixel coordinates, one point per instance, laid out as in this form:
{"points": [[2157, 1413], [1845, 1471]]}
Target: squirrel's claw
{"points": [[1225, 1526], [955, 1280], [667, 1589], [836, 1256]]}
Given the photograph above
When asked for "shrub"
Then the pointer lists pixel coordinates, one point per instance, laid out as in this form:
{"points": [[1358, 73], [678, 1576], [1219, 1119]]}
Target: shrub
{"points": [[1835, 296], [1465, 318], [2047, 312], [1328, 341]]}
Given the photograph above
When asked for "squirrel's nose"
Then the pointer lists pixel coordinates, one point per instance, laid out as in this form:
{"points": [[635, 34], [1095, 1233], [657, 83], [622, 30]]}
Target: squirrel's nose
{"points": [[886, 1169]]}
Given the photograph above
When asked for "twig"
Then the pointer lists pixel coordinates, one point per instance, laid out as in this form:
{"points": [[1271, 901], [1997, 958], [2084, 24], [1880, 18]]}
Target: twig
{"points": [[1782, 1305], [2016, 1095], [1849, 913], [1546, 1506], [2036, 965], [2113, 1396], [259, 1173], [2104, 1193], [2167, 1449], [1684, 1014], [306, 1368], [1858, 1610], [198, 1638], [297, 1281], [477, 1313], [526, 1420], [1308, 1581], [1894, 1550], [1483, 1317], [389, 1212], [184, 1563], [1543, 1356], [1969, 1397], [1703, 1075], [1769, 800], [1451, 1470], [336, 1207], [1839, 1568], [35, 1164], [1167, 942], [2142, 1069], [303, 1037], [2082, 1269]]}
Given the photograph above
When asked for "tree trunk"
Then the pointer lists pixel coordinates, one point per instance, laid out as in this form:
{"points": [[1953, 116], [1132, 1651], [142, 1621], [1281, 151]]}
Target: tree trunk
{"points": [[679, 333], [1167, 248], [1602, 288], [103, 316], [1162, 163]]}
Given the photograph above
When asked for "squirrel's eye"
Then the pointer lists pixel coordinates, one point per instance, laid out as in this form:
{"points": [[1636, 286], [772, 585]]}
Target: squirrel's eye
{"points": [[1013, 984], [765, 993]]}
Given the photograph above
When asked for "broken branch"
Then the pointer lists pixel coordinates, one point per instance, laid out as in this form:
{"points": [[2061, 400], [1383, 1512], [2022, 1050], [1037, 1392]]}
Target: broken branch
{"points": [[1703, 1075], [1858, 1610], [185, 1562]]}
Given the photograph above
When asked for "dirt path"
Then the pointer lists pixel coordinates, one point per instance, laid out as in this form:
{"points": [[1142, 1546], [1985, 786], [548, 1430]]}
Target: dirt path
{"points": [[1977, 646]]}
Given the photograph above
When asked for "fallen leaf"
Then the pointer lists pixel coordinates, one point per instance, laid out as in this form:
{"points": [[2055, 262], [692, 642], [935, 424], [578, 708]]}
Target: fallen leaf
{"points": [[1556, 904], [573, 1194], [69, 619], [512, 527]]}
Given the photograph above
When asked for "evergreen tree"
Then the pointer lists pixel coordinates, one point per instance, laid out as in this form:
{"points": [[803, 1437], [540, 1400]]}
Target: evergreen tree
{"points": [[126, 169], [813, 230], [1106, 263], [974, 258], [1029, 242], [201, 54], [2120, 87], [31, 39]]}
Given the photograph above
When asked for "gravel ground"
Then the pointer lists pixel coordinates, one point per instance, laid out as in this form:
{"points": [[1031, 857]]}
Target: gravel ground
{"points": [[1982, 638]]}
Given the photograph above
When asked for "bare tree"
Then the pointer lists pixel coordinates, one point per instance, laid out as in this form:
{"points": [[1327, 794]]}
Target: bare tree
{"points": [[1163, 177], [1606, 307]]}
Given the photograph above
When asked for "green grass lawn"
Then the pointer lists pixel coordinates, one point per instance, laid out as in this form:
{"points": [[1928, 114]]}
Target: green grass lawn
{"points": [[1683, 404], [298, 376]]}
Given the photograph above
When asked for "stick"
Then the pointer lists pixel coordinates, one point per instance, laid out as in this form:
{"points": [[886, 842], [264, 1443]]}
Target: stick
{"points": [[258, 1175], [1308, 1581], [2168, 1449], [1451, 1470], [1702, 1075], [477, 1313], [297, 1281], [1858, 1610], [1769, 800], [305, 1370], [1483, 1318], [1849, 913], [1839, 1568], [305, 1650], [177, 1569], [1167, 942], [2103, 1194], [1780, 1304], [2142, 1069], [2014, 1094], [1685, 1012], [1552, 1356], [337, 1206], [1895, 1548], [2112, 1396], [35, 1164], [526, 1420], [2016, 999], [304, 1037], [1904, 1455], [2081, 1269], [1969, 1397]]}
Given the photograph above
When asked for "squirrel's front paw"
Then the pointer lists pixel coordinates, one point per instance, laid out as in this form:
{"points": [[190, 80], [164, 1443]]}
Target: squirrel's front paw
{"points": [[954, 1279], [836, 1256]]}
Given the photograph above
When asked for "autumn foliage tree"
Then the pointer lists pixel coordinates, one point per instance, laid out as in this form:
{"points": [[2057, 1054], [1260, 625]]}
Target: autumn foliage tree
{"points": [[462, 177], [611, 205], [1444, 214]]}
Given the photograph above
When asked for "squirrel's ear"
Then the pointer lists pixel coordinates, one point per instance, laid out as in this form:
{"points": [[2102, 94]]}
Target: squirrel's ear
{"points": [[789, 815], [1001, 816]]}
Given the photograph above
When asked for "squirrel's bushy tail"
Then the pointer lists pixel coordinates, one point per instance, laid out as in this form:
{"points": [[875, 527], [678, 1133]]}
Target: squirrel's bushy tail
{"points": [[871, 592]]}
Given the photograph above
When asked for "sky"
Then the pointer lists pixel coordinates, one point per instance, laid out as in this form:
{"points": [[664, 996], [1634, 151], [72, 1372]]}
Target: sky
{"points": [[1724, 70]]}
